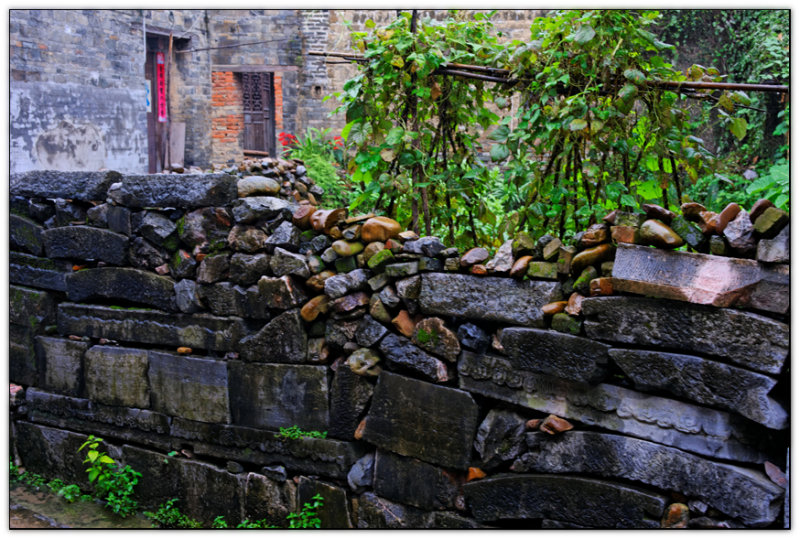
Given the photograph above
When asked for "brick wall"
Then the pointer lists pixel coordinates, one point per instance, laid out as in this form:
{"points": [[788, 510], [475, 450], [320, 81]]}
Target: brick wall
{"points": [[227, 122]]}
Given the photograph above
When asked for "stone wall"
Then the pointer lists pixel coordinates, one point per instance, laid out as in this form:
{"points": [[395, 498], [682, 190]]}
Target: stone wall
{"points": [[603, 384]]}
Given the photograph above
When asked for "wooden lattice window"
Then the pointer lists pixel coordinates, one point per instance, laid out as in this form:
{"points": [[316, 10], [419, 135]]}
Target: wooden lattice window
{"points": [[258, 105]]}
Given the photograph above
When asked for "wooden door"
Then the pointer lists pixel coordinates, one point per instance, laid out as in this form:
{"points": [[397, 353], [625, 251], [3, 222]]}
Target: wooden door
{"points": [[152, 142], [258, 105]]}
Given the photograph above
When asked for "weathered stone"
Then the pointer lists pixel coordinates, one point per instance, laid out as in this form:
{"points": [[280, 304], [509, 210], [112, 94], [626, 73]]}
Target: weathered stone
{"points": [[369, 331], [435, 423], [85, 186], [748, 339], [654, 232], [281, 292], [204, 226], [359, 478], [272, 396], [728, 214], [339, 332], [426, 263], [284, 262], [500, 438], [770, 222], [625, 234], [118, 219], [324, 220], [701, 279], [590, 257], [685, 426], [252, 209], [565, 356], [476, 255], [553, 424], [192, 191], [352, 232], [736, 491], [25, 234], [709, 222], [349, 303], [187, 297], [377, 513], [182, 265], [379, 229], [590, 502], [776, 250], [429, 246], [246, 269], [434, 336], [198, 331], [718, 246], [607, 268], [30, 308], [414, 482], [503, 260], [404, 324], [189, 387], [656, 212], [542, 270], [554, 308], [676, 516], [23, 364], [301, 218], [452, 264], [225, 299], [213, 268], [316, 283], [402, 269], [564, 323], [318, 351], [691, 210], [246, 238], [364, 362], [335, 510], [350, 394], [85, 243], [134, 285], [285, 236], [257, 185], [601, 286], [378, 310], [159, 230], [740, 236], [629, 219], [268, 497], [316, 306], [143, 254], [347, 248], [62, 364], [346, 264], [520, 267], [117, 376], [704, 381], [389, 297], [473, 337], [583, 281], [689, 232], [759, 207], [282, 340], [523, 245], [329, 255], [496, 299], [595, 235], [401, 354]]}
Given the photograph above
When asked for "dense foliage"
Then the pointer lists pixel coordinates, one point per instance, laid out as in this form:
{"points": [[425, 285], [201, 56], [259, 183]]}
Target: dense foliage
{"points": [[579, 129]]}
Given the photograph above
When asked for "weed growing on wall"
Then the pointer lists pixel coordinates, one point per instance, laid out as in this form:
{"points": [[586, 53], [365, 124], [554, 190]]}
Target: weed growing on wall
{"points": [[113, 483], [294, 432]]}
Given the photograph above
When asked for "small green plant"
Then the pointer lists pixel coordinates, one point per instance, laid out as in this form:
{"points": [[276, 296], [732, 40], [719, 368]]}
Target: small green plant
{"points": [[294, 432], [219, 523], [113, 483], [170, 454], [254, 524], [425, 337], [69, 492], [307, 517], [168, 516]]}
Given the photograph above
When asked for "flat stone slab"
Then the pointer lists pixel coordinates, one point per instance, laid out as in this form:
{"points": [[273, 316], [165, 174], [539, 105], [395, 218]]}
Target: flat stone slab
{"points": [[401, 353], [706, 382], [134, 285], [29, 307], [275, 395], [84, 186], [282, 340], [738, 492], [168, 191], [497, 299], [189, 387], [29, 270], [25, 234], [747, 339], [85, 243], [699, 278], [670, 422], [117, 376], [418, 419], [61, 362], [199, 331], [589, 502], [413, 482], [554, 353], [319, 456]]}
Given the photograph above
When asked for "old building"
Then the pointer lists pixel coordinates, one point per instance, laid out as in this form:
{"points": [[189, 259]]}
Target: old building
{"points": [[135, 90]]}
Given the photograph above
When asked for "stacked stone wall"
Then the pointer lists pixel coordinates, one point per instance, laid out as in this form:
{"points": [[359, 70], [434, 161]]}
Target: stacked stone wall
{"points": [[186, 320]]}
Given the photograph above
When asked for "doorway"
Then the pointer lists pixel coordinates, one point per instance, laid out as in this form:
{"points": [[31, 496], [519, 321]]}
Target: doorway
{"points": [[258, 106]]}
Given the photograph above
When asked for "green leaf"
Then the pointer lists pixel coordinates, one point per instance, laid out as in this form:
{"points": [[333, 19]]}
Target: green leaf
{"points": [[499, 152], [577, 124], [759, 184], [369, 23], [395, 135], [105, 459], [738, 127], [584, 34], [740, 97], [500, 134], [634, 75], [346, 130]]}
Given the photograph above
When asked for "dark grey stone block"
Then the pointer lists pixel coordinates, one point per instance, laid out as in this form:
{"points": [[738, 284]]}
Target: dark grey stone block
{"points": [[86, 243], [401, 353], [25, 234], [134, 285], [117, 376], [164, 190], [62, 364], [413, 482], [84, 186], [29, 270], [282, 340], [189, 387]]}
